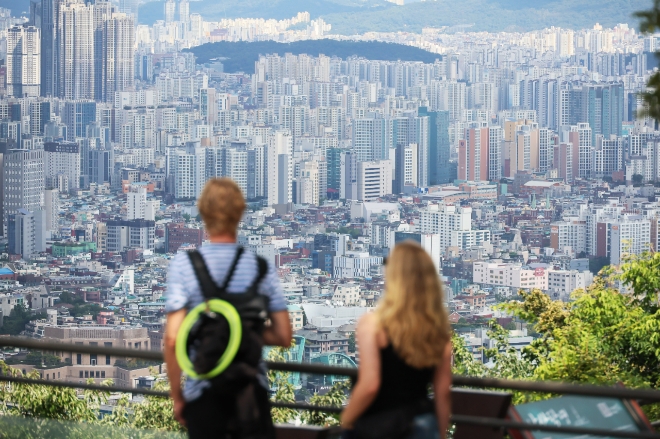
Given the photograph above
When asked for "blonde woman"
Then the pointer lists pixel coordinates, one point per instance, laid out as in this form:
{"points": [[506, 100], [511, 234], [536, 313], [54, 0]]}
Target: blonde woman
{"points": [[404, 348]]}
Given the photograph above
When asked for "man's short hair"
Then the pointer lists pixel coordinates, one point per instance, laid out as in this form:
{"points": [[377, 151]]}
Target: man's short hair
{"points": [[221, 206]]}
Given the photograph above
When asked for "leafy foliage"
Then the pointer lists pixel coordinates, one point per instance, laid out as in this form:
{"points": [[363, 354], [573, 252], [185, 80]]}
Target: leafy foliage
{"points": [[60, 403], [283, 391], [335, 397], [80, 307], [17, 319], [351, 342], [650, 23]]}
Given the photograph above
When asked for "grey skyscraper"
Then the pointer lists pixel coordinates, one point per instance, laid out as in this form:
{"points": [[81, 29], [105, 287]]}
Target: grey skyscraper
{"points": [[23, 181], [49, 53]]}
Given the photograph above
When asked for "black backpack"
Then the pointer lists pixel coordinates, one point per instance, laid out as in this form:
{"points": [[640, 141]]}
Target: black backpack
{"points": [[209, 337]]}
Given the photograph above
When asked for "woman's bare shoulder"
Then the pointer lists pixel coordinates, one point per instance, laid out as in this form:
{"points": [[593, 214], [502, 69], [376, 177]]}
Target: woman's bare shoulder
{"points": [[369, 326], [368, 323]]}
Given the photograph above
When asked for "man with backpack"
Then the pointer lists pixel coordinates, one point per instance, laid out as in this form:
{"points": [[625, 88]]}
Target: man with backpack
{"points": [[223, 304]]}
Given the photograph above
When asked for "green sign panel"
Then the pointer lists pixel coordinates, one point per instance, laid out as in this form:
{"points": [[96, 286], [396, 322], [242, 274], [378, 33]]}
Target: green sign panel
{"points": [[578, 411]]}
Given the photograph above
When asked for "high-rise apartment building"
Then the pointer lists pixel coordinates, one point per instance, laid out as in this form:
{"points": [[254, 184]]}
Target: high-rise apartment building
{"points": [[49, 48], [136, 233], [77, 115], [184, 12], [279, 165], [76, 51], [369, 140], [186, 170], [51, 209], [445, 219], [308, 183], [170, 9], [138, 206], [118, 68], [23, 181], [25, 233], [374, 179], [473, 155], [23, 61], [607, 156], [62, 161]]}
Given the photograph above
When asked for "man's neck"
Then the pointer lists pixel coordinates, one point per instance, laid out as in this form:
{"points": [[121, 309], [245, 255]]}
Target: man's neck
{"points": [[223, 239]]}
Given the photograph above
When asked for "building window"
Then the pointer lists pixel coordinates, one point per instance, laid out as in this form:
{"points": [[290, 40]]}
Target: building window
{"points": [[81, 374], [78, 358], [86, 374], [98, 374], [107, 359], [103, 374]]}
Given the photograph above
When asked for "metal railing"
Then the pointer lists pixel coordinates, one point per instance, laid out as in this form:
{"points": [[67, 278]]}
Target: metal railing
{"points": [[646, 396]]}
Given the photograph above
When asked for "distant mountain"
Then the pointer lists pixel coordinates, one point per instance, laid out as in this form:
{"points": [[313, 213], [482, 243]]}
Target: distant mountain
{"points": [[277, 9], [349, 17], [242, 55], [356, 16], [19, 8], [491, 15]]}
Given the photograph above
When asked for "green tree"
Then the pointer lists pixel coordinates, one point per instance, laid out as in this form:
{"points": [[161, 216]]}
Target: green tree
{"points": [[351, 342], [18, 318], [637, 179], [650, 23], [335, 397]]}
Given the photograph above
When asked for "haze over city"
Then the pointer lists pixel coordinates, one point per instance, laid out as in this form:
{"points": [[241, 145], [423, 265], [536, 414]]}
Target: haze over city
{"points": [[513, 142]]}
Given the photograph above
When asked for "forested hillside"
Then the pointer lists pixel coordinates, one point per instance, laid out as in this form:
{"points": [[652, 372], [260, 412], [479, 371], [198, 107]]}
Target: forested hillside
{"points": [[241, 56]]}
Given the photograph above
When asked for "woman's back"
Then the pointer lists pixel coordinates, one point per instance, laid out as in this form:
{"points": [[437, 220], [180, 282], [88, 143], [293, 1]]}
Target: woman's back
{"points": [[401, 384]]}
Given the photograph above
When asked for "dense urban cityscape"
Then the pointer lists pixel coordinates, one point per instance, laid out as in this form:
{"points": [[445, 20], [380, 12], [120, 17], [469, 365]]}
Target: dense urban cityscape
{"points": [[516, 160]]}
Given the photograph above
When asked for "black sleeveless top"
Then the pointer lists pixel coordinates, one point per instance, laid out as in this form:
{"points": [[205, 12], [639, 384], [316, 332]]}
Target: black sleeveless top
{"points": [[400, 384]]}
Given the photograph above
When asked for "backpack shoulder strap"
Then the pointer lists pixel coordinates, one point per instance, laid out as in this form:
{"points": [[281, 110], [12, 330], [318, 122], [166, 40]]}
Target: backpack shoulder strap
{"points": [[262, 271], [232, 269], [206, 283]]}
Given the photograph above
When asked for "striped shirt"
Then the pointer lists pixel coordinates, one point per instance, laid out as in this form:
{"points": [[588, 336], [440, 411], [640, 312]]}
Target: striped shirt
{"points": [[183, 290]]}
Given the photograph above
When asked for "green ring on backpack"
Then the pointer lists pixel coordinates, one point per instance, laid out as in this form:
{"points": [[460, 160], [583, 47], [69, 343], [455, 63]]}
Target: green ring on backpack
{"points": [[228, 311]]}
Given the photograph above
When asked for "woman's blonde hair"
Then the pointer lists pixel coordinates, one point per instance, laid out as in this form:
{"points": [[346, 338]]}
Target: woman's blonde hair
{"points": [[412, 311]]}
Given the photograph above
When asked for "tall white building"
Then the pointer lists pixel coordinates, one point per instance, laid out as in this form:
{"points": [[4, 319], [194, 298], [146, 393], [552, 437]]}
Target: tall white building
{"points": [[138, 206], [62, 159], [51, 209], [279, 165], [186, 170], [307, 183], [184, 11], [443, 220], [76, 51], [118, 55], [374, 179], [170, 9], [517, 276], [369, 140], [561, 283], [208, 106], [355, 265], [23, 61]]}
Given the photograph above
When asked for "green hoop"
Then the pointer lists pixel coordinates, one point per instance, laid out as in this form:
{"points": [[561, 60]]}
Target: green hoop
{"points": [[228, 311]]}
